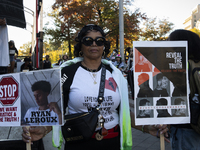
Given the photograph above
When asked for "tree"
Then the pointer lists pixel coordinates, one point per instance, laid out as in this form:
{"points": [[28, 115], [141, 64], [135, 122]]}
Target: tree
{"points": [[25, 50], [156, 31], [55, 35], [74, 14]]}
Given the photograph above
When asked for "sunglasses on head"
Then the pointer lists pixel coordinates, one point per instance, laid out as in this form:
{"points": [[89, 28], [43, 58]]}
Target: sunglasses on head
{"points": [[88, 41]]}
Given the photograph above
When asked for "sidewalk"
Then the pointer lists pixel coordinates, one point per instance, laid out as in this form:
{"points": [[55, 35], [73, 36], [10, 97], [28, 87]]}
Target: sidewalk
{"points": [[141, 141]]}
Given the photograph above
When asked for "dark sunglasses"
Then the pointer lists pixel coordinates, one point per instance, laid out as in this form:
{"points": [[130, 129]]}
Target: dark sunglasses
{"points": [[88, 41]]}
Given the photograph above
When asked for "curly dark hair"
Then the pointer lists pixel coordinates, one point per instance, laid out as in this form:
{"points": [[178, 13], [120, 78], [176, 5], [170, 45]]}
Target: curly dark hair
{"points": [[193, 42], [41, 85], [83, 32]]}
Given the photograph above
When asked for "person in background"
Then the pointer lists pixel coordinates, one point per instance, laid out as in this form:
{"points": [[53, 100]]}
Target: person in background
{"points": [[129, 70], [56, 65], [183, 136], [64, 59], [82, 85], [46, 63], [114, 53], [112, 59], [12, 51], [119, 63], [26, 65], [130, 58]]}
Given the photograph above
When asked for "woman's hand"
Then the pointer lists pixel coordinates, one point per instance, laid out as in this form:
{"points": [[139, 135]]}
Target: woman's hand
{"points": [[156, 130], [34, 133]]}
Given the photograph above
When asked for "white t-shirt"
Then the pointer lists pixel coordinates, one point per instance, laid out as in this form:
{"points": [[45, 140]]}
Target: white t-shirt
{"points": [[83, 94], [35, 117]]}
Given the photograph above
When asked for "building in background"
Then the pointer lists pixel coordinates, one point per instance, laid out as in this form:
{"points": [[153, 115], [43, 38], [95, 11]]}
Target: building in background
{"points": [[193, 20]]}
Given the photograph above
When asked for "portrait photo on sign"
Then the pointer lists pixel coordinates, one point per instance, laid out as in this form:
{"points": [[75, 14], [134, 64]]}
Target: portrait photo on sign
{"points": [[161, 85], [179, 107], [41, 98], [144, 85], [144, 107]]}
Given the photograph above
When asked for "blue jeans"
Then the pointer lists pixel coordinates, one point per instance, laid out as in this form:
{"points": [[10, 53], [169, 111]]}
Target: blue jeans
{"points": [[184, 139]]}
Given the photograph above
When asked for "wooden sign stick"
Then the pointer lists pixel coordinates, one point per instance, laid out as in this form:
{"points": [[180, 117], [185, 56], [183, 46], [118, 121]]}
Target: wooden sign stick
{"points": [[28, 145], [162, 142]]}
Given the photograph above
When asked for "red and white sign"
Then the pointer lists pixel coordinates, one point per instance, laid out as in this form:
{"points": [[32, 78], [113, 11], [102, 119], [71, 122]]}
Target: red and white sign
{"points": [[9, 90], [10, 101]]}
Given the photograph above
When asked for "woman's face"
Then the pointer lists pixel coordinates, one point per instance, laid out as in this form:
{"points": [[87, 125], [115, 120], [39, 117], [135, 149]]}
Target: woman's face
{"points": [[118, 59], [92, 52]]}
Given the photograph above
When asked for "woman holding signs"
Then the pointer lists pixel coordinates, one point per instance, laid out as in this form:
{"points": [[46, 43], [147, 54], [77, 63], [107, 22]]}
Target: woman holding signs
{"points": [[81, 79]]}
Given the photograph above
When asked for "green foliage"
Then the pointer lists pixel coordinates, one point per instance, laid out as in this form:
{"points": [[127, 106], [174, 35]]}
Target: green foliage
{"points": [[156, 31], [25, 49], [71, 15]]}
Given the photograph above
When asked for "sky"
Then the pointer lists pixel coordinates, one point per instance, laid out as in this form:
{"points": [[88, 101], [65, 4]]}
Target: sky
{"points": [[176, 11]]}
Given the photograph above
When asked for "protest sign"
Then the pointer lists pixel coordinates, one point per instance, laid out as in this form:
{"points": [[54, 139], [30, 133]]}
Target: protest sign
{"points": [[10, 103], [161, 82], [41, 97], [31, 98]]}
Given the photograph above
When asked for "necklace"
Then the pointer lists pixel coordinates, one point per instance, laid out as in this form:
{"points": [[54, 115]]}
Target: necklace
{"points": [[93, 73]]}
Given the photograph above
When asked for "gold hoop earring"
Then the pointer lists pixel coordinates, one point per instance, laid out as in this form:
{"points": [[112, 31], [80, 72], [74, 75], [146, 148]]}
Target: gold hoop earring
{"points": [[81, 53], [103, 53]]}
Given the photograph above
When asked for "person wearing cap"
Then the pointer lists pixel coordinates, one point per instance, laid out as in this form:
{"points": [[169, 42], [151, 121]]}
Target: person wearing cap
{"points": [[162, 112], [145, 113], [12, 51], [26, 65], [81, 78], [119, 63]]}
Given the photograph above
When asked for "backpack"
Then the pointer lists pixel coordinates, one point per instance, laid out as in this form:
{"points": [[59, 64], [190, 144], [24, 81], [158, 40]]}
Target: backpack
{"points": [[194, 97]]}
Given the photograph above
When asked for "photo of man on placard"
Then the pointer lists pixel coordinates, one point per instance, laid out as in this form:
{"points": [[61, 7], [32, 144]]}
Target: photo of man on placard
{"points": [[41, 98], [45, 112], [162, 112], [180, 111], [145, 113]]}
